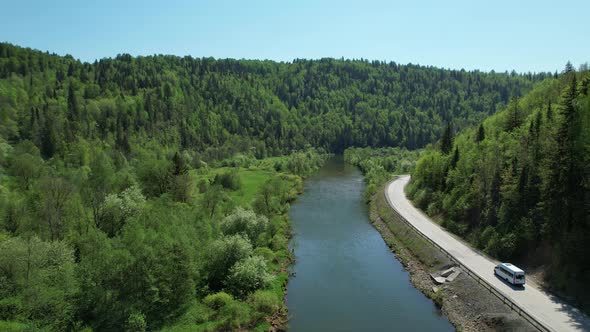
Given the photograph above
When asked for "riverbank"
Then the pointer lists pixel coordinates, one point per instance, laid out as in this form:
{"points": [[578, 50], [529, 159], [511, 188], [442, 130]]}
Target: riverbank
{"points": [[468, 305], [344, 277]]}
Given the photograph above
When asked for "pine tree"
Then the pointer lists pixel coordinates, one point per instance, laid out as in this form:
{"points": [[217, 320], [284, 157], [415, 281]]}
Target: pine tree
{"points": [[179, 165], [514, 119], [549, 112], [73, 115], [564, 177], [481, 134], [446, 141], [568, 68], [48, 140], [455, 158]]}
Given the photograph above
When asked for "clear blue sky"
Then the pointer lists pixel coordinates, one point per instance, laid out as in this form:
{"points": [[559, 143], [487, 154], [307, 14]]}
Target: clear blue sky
{"points": [[524, 35]]}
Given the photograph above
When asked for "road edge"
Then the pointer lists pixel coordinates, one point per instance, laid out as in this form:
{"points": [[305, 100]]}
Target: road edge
{"points": [[418, 262]]}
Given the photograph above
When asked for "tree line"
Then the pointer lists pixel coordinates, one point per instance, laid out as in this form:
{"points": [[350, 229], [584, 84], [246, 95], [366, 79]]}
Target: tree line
{"points": [[270, 107]]}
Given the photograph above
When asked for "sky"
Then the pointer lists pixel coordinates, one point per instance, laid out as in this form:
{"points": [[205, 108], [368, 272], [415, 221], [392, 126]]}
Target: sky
{"points": [[521, 35]]}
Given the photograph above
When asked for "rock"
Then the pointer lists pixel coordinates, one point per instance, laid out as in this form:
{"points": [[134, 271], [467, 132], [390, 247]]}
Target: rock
{"points": [[447, 272], [439, 280], [434, 289], [454, 275]]}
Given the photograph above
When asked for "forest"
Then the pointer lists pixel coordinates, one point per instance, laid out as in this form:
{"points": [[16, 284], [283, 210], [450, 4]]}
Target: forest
{"points": [[150, 193], [517, 185]]}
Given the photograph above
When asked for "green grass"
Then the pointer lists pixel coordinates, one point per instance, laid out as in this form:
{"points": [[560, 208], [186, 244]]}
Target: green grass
{"points": [[11, 326], [251, 179]]}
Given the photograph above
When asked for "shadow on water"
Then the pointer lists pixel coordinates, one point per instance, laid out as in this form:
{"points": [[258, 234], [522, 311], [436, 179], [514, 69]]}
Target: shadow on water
{"points": [[345, 277]]}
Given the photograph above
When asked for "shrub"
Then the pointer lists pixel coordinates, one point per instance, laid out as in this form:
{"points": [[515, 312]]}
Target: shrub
{"points": [[437, 297], [135, 322], [197, 313], [218, 300], [10, 307], [265, 302], [265, 252], [12, 326], [229, 180], [279, 241], [203, 185], [247, 276], [235, 315], [224, 253], [244, 222], [231, 313]]}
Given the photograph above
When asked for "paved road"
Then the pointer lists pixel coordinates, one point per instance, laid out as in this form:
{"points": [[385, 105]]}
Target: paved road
{"points": [[546, 308]]}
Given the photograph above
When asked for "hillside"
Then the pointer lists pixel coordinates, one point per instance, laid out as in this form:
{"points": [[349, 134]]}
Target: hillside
{"points": [[195, 104], [147, 193], [518, 185]]}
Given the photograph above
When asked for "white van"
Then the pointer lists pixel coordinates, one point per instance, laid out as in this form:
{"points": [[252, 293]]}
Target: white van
{"points": [[510, 273]]}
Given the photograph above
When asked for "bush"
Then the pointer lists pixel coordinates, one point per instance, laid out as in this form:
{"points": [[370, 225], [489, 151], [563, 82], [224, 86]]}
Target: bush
{"points": [[197, 313], [11, 326], [493, 245], [135, 322], [433, 209], [235, 315], [265, 302], [279, 166], [224, 253], [232, 314], [265, 252], [247, 276], [10, 307], [454, 227], [229, 180], [218, 300], [488, 233], [244, 222], [118, 208], [507, 245], [279, 241], [437, 297], [203, 185]]}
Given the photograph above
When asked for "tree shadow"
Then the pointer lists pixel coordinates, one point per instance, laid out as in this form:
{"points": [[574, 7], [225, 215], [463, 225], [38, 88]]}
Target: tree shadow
{"points": [[577, 318]]}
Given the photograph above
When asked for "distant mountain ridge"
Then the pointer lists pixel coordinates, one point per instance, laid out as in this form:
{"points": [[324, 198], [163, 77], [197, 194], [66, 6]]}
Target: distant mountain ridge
{"points": [[199, 103]]}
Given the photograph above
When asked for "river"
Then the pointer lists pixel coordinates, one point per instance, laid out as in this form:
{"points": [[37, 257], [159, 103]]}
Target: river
{"points": [[345, 277]]}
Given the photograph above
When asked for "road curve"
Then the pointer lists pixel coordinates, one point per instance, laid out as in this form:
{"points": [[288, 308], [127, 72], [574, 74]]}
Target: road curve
{"points": [[544, 307]]}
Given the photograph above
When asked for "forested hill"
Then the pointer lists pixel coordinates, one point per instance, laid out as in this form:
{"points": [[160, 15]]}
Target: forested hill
{"points": [[188, 103], [518, 186]]}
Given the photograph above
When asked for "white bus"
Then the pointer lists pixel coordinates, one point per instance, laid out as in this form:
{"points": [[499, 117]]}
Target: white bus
{"points": [[510, 273]]}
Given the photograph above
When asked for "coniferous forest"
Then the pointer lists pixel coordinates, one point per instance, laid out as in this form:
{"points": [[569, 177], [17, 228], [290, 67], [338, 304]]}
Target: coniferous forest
{"points": [[148, 193], [517, 185]]}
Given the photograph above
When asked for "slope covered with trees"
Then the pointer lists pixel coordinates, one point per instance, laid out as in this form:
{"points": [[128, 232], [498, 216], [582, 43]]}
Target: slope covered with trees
{"points": [[198, 103], [151, 192], [518, 185]]}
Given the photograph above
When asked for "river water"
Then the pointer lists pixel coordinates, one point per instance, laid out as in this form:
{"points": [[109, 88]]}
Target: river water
{"points": [[346, 278]]}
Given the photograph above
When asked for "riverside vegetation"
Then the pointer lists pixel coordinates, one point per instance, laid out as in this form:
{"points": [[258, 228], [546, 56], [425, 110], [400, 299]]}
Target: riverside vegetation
{"points": [[146, 193]]}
